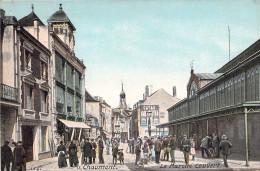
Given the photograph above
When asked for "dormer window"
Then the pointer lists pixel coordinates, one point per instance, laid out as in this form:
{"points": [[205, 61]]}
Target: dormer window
{"points": [[44, 70]]}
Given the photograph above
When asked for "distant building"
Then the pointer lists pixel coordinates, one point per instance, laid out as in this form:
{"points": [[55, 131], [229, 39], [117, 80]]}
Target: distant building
{"points": [[224, 102], [156, 105], [120, 118]]}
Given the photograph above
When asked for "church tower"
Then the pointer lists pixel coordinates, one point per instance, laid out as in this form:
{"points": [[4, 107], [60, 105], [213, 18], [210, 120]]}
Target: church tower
{"points": [[122, 103]]}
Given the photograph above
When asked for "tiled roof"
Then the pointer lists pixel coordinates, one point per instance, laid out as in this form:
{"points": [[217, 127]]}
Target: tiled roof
{"points": [[208, 76], [60, 16], [28, 20]]}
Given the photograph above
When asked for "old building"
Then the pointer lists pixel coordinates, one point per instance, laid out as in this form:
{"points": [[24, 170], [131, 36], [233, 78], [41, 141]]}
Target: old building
{"points": [[67, 74], [228, 103], [152, 111], [25, 69], [121, 118]]}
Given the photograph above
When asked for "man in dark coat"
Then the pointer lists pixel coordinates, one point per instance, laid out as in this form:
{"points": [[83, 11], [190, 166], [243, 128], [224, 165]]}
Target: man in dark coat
{"points": [[157, 149], [225, 146], [6, 156], [88, 151], [100, 152], [137, 152], [82, 151], [185, 146], [94, 146], [73, 158], [19, 157], [133, 146], [173, 145], [215, 144], [114, 153], [61, 155]]}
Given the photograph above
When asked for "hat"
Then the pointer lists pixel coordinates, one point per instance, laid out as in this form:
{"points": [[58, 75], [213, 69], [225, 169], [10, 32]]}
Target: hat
{"points": [[6, 142], [99, 136], [92, 139], [19, 142], [224, 136], [184, 135]]}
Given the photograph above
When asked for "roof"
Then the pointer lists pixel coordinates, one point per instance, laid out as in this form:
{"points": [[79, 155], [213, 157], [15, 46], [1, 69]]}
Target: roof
{"points": [[60, 16], [208, 76], [28, 20], [89, 98]]}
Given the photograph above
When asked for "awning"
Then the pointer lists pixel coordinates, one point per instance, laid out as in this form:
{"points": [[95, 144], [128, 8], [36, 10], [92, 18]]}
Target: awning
{"points": [[72, 124]]}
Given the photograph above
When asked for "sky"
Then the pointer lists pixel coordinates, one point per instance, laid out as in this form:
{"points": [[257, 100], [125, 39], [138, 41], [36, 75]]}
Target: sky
{"points": [[150, 42]]}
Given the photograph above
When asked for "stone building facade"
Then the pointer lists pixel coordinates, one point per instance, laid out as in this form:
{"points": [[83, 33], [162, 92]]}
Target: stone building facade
{"points": [[156, 105], [228, 104]]}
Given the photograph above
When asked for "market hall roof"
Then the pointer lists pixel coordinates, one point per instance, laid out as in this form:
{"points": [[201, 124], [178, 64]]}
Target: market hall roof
{"points": [[208, 76], [60, 16]]}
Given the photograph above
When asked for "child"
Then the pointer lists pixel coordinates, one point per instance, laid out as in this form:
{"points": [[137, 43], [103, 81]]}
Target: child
{"points": [[192, 149], [114, 153], [121, 156]]}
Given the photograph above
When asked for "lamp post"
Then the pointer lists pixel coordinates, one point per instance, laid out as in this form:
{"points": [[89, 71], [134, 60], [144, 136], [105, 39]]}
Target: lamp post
{"points": [[148, 114]]}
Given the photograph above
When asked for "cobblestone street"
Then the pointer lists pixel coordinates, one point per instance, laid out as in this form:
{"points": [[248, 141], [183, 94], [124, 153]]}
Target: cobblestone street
{"points": [[198, 164]]}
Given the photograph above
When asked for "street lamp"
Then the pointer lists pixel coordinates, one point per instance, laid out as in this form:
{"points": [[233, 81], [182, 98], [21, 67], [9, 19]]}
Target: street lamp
{"points": [[149, 114]]}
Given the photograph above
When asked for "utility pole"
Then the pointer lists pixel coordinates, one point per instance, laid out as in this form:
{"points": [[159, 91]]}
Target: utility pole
{"points": [[229, 42]]}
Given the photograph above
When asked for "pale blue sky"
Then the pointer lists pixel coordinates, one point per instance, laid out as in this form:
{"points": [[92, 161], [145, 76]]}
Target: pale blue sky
{"points": [[150, 42]]}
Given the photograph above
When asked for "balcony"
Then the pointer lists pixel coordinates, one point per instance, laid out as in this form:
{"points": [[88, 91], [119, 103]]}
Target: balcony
{"points": [[8, 93]]}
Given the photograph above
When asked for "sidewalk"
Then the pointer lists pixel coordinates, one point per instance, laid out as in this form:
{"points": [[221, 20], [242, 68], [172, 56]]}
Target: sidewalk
{"points": [[202, 164], [33, 165]]}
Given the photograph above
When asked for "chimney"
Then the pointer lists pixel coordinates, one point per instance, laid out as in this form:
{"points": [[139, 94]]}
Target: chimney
{"points": [[36, 28], [146, 92], [2, 13], [174, 91]]}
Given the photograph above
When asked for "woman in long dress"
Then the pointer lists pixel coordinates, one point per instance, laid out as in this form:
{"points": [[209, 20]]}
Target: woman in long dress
{"points": [[73, 155], [61, 155]]}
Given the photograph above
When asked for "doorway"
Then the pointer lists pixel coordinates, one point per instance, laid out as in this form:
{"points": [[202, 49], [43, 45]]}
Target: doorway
{"points": [[27, 134]]}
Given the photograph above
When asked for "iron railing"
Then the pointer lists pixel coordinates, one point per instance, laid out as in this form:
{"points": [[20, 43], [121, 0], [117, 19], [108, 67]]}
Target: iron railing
{"points": [[8, 93]]}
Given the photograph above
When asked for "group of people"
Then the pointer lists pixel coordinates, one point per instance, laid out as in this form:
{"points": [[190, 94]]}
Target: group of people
{"points": [[161, 148], [86, 150], [17, 157]]}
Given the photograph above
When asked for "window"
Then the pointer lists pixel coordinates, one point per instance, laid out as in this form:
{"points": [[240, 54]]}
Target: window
{"points": [[44, 101], [29, 97], [78, 106], [44, 70], [70, 103], [59, 99], [59, 67], [77, 81], [69, 76], [193, 89], [44, 138], [27, 60]]}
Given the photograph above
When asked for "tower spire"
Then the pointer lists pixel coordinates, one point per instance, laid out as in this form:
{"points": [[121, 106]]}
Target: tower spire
{"points": [[32, 8], [60, 6]]}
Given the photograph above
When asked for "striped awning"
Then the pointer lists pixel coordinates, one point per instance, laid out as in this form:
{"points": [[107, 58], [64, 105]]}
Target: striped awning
{"points": [[73, 124]]}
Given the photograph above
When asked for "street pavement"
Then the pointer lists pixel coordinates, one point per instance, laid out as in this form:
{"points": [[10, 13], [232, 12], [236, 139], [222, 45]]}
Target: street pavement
{"points": [[199, 164]]}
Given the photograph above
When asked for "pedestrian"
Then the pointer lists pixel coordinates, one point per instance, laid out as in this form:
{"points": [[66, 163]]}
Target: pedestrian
{"points": [[137, 152], [132, 146], [145, 150], [215, 143], [73, 158], [19, 157], [162, 148], [157, 149], [114, 153], [61, 150], [6, 156], [108, 146], [225, 146], [121, 156], [192, 148], [88, 152], [100, 153], [82, 151], [204, 147], [166, 148], [185, 146], [173, 146], [94, 147]]}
